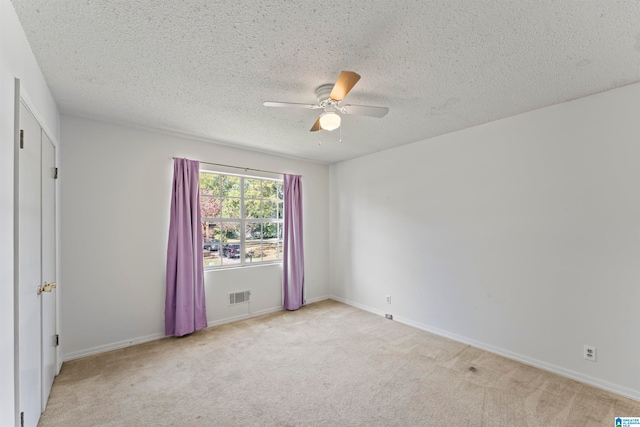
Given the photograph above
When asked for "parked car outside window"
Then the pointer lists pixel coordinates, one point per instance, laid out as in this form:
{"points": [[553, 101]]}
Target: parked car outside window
{"points": [[231, 251], [211, 245]]}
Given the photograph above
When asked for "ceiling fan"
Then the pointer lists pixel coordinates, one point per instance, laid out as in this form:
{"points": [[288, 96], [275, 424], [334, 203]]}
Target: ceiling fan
{"points": [[329, 98]]}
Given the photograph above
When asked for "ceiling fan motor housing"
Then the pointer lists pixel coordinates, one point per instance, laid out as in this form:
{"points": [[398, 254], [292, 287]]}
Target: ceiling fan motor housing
{"points": [[323, 92]]}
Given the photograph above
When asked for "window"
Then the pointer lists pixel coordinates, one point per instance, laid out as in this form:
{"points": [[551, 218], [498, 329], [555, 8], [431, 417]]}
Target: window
{"points": [[241, 219]]}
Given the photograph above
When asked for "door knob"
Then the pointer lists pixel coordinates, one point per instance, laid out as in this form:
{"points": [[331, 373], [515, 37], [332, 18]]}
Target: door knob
{"points": [[46, 287]]}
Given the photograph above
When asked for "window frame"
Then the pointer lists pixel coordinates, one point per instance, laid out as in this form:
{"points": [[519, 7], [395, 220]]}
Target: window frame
{"points": [[243, 220]]}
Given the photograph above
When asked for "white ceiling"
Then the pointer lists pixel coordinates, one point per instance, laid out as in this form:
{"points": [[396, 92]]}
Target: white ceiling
{"points": [[203, 68]]}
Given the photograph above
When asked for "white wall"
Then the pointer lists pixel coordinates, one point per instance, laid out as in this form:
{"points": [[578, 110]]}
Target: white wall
{"points": [[16, 61], [521, 236], [115, 197]]}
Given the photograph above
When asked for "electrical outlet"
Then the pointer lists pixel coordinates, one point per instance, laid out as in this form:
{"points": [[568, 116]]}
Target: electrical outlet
{"points": [[590, 353], [388, 299], [389, 316]]}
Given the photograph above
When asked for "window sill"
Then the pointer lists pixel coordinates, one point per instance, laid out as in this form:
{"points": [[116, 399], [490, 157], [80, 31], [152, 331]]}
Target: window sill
{"points": [[240, 267]]}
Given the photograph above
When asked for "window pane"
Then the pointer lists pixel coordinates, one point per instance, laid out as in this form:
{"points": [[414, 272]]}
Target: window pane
{"points": [[211, 243], [217, 234], [230, 186], [210, 207], [269, 189], [280, 210], [254, 252], [269, 209], [253, 209], [230, 232], [211, 259], [253, 231], [270, 230], [230, 208], [271, 251], [280, 190], [209, 184], [230, 243], [230, 254], [252, 188], [210, 231]]}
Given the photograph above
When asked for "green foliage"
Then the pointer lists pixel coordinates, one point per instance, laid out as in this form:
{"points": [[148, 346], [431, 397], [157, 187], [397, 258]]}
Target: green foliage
{"points": [[269, 209], [230, 208], [253, 208], [270, 230], [230, 186], [209, 184], [252, 188], [269, 189]]}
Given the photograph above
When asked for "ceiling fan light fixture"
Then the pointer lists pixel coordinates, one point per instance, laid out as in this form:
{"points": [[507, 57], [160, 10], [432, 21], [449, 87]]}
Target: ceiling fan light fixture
{"points": [[330, 121]]}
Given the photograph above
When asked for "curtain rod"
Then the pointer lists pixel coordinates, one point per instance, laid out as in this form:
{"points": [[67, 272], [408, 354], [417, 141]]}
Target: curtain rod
{"points": [[235, 167]]}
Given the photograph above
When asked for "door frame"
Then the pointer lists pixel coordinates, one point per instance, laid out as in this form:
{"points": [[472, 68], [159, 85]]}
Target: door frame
{"points": [[48, 304], [21, 96]]}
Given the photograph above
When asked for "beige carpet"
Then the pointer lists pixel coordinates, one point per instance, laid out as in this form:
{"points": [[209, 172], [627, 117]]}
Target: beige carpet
{"points": [[327, 364]]}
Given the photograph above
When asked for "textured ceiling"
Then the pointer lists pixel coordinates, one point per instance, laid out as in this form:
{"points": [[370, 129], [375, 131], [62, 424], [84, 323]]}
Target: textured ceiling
{"points": [[203, 68]]}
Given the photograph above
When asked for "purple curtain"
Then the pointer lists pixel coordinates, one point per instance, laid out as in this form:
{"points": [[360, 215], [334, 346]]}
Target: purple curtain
{"points": [[293, 282], [185, 309]]}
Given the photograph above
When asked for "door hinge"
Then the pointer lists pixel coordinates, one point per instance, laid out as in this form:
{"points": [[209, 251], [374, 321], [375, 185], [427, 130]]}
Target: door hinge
{"points": [[21, 138], [57, 340], [55, 173], [21, 419]]}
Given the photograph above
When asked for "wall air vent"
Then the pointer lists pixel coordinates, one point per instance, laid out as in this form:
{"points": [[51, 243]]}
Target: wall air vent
{"points": [[239, 297]]}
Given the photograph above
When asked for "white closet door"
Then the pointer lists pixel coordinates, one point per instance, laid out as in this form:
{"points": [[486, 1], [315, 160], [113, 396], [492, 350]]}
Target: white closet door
{"points": [[29, 270]]}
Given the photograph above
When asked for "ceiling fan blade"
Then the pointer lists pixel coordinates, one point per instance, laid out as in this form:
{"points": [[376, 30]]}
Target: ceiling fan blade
{"points": [[316, 126], [365, 110], [290, 105], [346, 81]]}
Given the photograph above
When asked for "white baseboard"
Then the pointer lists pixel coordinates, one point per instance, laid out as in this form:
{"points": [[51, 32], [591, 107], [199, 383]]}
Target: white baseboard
{"points": [[317, 299], [595, 382], [133, 341], [108, 347], [228, 320], [267, 311], [357, 305], [243, 316]]}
